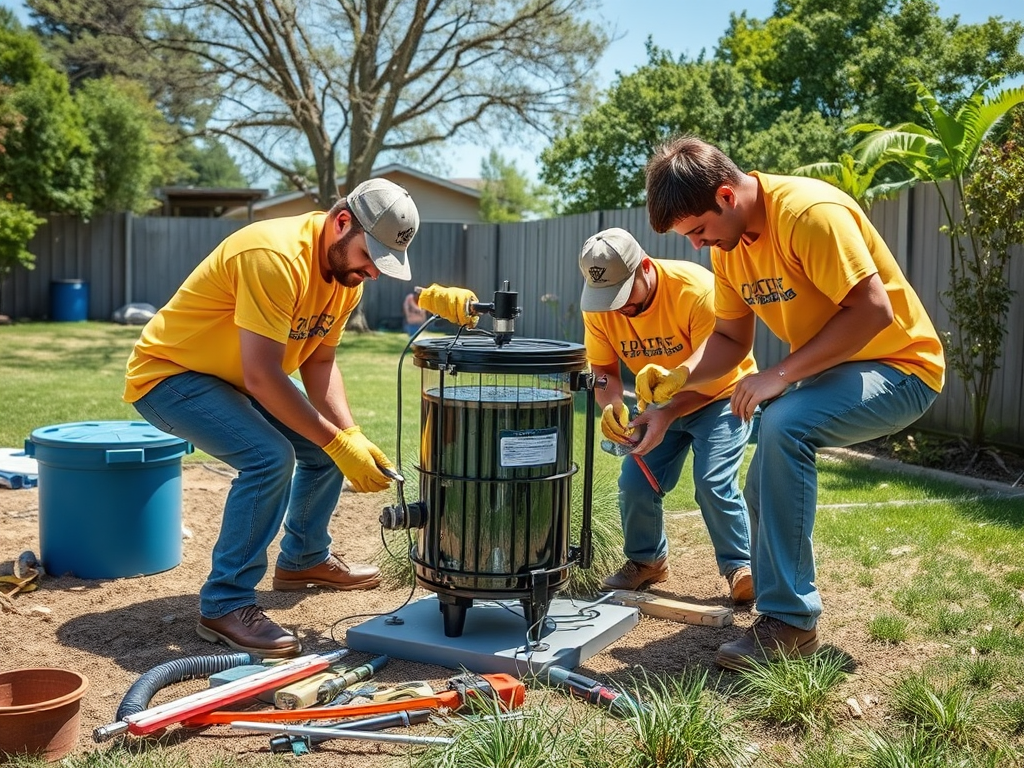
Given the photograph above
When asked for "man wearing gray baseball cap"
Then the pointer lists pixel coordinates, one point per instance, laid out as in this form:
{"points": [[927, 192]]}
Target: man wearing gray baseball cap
{"points": [[213, 367], [638, 310]]}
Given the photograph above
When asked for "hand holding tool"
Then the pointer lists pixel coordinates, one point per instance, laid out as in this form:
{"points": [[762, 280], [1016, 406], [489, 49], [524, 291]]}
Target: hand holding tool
{"points": [[615, 423], [463, 690], [618, 703], [620, 449], [359, 460], [190, 707], [657, 385], [453, 304]]}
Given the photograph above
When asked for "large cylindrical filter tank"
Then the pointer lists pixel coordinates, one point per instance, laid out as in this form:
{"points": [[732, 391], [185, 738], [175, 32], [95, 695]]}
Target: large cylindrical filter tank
{"points": [[496, 468]]}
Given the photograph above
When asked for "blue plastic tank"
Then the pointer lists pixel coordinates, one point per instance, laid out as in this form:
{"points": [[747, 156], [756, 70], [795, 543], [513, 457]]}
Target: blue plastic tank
{"points": [[109, 498], [69, 300]]}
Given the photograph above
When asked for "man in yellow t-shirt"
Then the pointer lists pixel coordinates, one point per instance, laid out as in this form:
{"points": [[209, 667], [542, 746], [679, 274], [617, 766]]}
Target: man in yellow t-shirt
{"points": [[637, 310], [213, 366], [864, 361]]}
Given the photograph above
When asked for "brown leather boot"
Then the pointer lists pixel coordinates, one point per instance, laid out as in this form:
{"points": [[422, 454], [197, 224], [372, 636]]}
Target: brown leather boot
{"points": [[741, 585], [248, 629], [333, 572], [767, 639], [635, 575]]}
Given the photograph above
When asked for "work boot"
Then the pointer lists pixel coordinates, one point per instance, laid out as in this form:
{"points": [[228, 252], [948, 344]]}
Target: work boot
{"points": [[768, 639], [248, 629], [333, 572], [635, 575], [741, 585]]}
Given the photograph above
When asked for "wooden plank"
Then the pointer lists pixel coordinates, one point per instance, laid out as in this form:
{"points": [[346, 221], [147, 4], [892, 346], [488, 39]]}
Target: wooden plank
{"points": [[674, 610]]}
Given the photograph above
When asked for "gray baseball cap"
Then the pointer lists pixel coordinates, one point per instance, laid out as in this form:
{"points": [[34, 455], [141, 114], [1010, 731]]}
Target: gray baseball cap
{"points": [[608, 262], [390, 219]]}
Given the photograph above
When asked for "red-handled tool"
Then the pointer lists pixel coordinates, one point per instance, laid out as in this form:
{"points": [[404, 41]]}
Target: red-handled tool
{"points": [[189, 707], [506, 688]]}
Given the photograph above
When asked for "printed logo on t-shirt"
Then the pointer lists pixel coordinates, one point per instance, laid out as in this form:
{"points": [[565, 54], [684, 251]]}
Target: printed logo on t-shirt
{"points": [[320, 325], [655, 346], [767, 290]]}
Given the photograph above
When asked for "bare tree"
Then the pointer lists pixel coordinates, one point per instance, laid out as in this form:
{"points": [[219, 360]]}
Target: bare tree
{"points": [[357, 78]]}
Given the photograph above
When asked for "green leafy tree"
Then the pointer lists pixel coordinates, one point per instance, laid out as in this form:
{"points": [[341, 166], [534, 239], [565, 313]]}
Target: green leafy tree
{"points": [[125, 130], [47, 160], [947, 148], [207, 163], [363, 77], [507, 195], [17, 226]]}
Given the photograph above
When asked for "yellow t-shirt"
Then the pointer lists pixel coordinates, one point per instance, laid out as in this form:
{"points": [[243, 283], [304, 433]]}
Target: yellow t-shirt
{"points": [[816, 246], [264, 278], [678, 321]]}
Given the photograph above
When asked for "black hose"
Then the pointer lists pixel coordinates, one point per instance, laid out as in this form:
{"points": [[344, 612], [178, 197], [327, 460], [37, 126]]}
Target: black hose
{"points": [[144, 689]]}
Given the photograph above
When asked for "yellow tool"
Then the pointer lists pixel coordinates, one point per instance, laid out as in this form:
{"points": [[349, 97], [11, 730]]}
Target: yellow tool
{"points": [[303, 693], [410, 690]]}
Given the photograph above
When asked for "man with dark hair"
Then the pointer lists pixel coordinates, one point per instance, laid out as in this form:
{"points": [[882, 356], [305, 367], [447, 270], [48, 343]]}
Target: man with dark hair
{"points": [[213, 367], [864, 361], [637, 309]]}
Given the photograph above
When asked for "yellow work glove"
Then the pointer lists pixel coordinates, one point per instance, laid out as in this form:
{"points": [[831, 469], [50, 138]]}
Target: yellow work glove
{"points": [[658, 385], [615, 424], [450, 303], [359, 460]]}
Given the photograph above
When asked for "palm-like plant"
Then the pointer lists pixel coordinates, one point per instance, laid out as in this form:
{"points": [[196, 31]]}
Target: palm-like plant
{"points": [[856, 176], [946, 148]]}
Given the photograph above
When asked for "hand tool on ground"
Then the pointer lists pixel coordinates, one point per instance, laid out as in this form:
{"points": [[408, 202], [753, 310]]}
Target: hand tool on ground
{"points": [[302, 693], [330, 689], [412, 690], [616, 702], [333, 733], [298, 745], [189, 707], [24, 574], [616, 449], [462, 690]]}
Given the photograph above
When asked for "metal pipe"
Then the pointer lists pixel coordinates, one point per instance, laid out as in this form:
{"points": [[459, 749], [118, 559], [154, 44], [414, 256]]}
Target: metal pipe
{"points": [[323, 734]]}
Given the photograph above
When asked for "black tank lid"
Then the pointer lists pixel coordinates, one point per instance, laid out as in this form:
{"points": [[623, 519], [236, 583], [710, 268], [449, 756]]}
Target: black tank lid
{"points": [[479, 354]]}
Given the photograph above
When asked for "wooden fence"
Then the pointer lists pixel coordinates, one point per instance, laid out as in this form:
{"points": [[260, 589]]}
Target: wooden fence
{"points": [[127, 259]]}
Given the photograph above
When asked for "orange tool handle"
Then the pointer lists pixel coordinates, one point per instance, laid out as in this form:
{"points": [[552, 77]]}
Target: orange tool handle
{"points": [[510, 691]]}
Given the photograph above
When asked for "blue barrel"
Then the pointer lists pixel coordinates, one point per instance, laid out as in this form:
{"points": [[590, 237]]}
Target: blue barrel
{"points": [[69, 300], [109, 498]]}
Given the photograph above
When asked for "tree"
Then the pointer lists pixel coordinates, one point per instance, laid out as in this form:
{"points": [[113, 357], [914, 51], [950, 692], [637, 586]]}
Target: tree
{"points": [[777, 93], [131, 144], [507, 194], [365, 77], [947, 148], [207, 163]]}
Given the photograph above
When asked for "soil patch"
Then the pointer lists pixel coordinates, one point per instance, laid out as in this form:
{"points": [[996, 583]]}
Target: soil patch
{"points": [[114, 630]]}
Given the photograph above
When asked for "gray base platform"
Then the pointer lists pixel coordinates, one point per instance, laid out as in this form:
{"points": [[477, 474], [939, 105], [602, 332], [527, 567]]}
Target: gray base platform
{"points": [[494, 637]]}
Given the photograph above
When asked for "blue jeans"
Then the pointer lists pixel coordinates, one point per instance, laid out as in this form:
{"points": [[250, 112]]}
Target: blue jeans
{"points": [[847, 404], [231, 426], [718, 440]]}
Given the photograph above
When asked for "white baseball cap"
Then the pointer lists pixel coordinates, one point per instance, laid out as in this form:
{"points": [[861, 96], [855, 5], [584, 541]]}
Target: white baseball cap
{"points": [[608, 261], [390, 219]]}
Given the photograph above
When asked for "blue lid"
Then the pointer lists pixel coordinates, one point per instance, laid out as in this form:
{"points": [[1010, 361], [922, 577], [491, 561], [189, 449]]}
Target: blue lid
{"points": [[104, 434]]}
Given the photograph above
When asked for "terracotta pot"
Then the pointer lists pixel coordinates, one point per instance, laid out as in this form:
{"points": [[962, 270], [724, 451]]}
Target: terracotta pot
{"points": [[39, 711]]}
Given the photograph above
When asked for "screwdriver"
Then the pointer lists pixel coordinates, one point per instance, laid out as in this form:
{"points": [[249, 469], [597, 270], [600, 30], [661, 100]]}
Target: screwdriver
{"points": [[617, 703]]}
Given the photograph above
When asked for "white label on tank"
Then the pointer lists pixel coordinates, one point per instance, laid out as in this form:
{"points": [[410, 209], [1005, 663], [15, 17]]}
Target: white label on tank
{"points": [[528, 447]]}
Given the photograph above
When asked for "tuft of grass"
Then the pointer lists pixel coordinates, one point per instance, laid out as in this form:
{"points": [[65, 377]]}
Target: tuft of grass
{"points": [[907, 750], [793, 692], [888, 628], [682, 724], [822, 755], [1009, 716], [982, 672], [944, 714], [999, 640], [546, 737]]}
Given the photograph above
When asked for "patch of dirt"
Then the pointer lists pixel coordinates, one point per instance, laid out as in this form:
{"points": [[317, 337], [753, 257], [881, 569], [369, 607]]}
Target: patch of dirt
{"points": [[950, 454], [115, 630]]}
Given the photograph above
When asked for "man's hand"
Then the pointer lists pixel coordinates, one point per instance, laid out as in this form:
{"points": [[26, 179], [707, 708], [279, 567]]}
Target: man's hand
{"points": [[657, 385], [755, 389], [450, 303], [359, 460], [652, 424], [615, 424]]}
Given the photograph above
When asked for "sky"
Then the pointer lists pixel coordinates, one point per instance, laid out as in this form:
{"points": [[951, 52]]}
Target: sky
{"points": [[680, 26]]}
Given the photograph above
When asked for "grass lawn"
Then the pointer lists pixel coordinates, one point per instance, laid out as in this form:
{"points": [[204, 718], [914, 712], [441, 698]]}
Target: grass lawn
{"points": [[943, 569]]}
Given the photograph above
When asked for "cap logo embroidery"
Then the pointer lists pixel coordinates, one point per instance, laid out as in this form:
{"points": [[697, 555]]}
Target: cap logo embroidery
{"points": [[597, 274], [403, 237]]}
